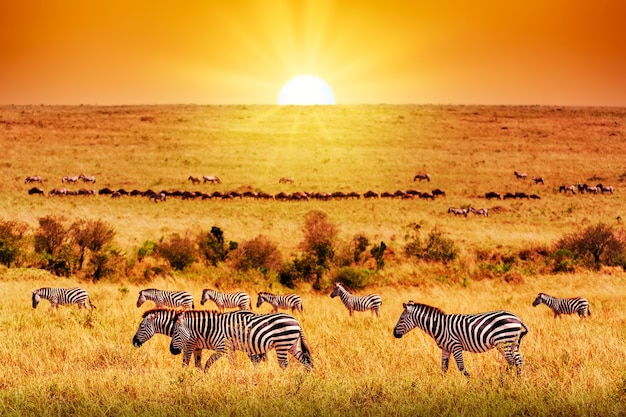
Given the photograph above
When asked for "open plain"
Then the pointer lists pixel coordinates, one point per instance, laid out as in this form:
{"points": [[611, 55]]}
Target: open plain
{"points": [[73, 362]]}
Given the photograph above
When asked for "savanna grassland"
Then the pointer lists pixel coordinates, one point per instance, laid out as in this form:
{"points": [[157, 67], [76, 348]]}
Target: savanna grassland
{"points": [[72, 362]]}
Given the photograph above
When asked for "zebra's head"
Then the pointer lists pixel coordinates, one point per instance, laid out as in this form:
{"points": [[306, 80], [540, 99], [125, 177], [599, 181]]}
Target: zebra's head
{"points": [[141, 299], [261, 299], [539, 299], [206, 296], [150, 325], [337, 291], [180, 333], [36, 298], [405, 322]]}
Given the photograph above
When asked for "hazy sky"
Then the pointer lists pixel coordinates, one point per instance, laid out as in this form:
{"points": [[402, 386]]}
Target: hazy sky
{"points": [[242, 51]]}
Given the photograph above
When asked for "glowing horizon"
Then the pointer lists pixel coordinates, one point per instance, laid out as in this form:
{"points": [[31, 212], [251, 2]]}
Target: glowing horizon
{"points": [[243, 51]]}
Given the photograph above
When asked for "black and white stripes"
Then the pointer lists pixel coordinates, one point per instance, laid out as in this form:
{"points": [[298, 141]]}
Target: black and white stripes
{"points": [[172, 299], [224, 300], [455, 333], [357, 303], [564, 305], [62, 296], [287, 301]]}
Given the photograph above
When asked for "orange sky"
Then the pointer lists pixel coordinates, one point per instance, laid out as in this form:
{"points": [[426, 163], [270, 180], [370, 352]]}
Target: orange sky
{"points": [[242, 51]]}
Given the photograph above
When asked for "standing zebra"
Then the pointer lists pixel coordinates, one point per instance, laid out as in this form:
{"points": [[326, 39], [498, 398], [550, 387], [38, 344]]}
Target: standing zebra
{"points": [[355, 302], [162, 321], [62, 296], [173, 299], [227, 300], [455, 333], [292, 301], [254, 334], [564, 305]]}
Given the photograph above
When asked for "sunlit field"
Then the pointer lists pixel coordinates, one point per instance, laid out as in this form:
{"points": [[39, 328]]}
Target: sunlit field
{"points": [[77, 362]]}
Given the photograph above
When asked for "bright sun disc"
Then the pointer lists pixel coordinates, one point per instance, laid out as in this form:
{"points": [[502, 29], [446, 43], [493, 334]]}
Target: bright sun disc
{"points": [[306, 90]]}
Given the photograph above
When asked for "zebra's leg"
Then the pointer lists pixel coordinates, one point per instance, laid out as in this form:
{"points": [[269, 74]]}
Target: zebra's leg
{"points": [[302, 357], [445, 361], [351, 312], [457, 352], [186, 355], [283, 359], [256, 358], [214, 357], [197, 356]]}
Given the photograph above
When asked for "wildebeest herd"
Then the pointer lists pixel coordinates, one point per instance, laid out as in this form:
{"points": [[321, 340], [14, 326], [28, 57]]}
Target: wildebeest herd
{"points": [[191, 331]]}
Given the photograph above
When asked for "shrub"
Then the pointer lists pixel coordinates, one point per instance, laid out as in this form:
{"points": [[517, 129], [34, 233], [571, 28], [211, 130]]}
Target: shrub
{"points": [[104, 263], [436, 248], [53, 246], [355, 278], [319, 237], [595, 246], [91, 234], [179, 252], [12, 242], [259, 253], [303, 268], [360, 244], [147, 249], [378, 253], [212, 246]]}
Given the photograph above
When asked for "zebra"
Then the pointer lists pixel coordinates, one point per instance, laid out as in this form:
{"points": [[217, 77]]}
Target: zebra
{"points": [[286, 180], [292, 301], [227, 300], [357, 303], [253, 334], [520, 175], [479, 212], [560, 306], [62, 296], [475, 333], [87, 178], [161, 321], [33, 178], [421, 177], [161, 298], [212, 179]]}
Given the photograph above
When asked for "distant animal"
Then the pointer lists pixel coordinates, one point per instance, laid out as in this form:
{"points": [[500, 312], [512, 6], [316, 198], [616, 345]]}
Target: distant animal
{"points": [[85, 191], [370, 194], [603, 189], [427, 196], [72, 180], [479, 212], [172, 299], [538, 180], [522, 195], [254, 334], [286, 180], [157, 197], [357, 302], [105, 191], [58, 191], [36, 190], [438, 191], [62, 296], [421, 176], [34, 178], [87, 178], [566, 188], [286, 301], [492, 194], [224, 300], [520, 175], [458, 212], [194, 180], [535, 197], [212, 179], [475, 333], [564, 305]]}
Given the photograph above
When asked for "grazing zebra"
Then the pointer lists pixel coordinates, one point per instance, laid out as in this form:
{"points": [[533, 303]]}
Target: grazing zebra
{"points": [[286, 180], [224, 300], [288, 301], [73, 180], [520, 175], [87, 178], [172, 299], [357, 303], [603, 189], [421, 177], [161, 321], [538, 180], [212, 179], [564, 305], [62, 296], [253, 334], [458, 212], [566, 188], [475, 333], [34, 178], [194, 180], [479, 212]]}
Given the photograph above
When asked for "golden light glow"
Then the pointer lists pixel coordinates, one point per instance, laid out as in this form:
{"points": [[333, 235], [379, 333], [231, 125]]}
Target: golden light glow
{"points": [[306, 90]]}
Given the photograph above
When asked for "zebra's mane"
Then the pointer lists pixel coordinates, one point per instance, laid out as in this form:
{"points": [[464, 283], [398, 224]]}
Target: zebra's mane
{"points": [[157, 310], [345, 287], [265, 293], [428, 308]]}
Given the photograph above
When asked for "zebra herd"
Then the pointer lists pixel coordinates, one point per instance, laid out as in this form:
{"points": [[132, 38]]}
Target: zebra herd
{"points": [[243, 330]]}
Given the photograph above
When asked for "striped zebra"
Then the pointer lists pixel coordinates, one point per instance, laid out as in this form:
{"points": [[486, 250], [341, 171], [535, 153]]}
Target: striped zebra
{"points": [[475, 333], [161, 321], [564, 305], [172, 299], [62, 296], [288, 301], [224, 300], [253, 334], [357, 303]]}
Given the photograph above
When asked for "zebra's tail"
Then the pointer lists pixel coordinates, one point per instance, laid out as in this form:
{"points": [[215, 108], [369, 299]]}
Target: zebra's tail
{"points": [[306, 349], [524, 332], [91, 302]]}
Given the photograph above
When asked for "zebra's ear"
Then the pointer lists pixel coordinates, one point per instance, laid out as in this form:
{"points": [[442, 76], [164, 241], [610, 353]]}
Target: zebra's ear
{"points": [[180, 317]]}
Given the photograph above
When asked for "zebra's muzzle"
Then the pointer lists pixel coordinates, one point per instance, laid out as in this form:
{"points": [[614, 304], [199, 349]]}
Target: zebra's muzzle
{"points": [[397, 334], [136, 342], [174, 351]]}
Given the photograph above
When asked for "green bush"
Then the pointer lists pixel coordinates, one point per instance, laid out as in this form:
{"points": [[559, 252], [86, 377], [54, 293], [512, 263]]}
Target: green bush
{"points": [[93, 235], [212, 246], [259, 253], [12, 242], [355, 278], [178, 251], [301, 269], [595, 246], [436, 248], [319, 237]]}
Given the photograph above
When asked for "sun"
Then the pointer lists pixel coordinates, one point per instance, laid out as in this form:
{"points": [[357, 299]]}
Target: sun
{"points": [[306, 90]]}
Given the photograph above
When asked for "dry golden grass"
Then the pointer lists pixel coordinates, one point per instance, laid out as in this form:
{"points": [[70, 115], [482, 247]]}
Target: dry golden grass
{"points": [[81, 363]]}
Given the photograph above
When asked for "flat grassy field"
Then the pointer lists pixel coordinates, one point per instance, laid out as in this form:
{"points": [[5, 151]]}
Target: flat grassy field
{"points": [[72, 362]]}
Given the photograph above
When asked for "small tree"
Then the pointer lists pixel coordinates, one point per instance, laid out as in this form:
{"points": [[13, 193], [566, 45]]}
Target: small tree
{"points": [[178, 251], [92, 235], [12, 241], [53, 245], [360, 244], [378, 252], [259, 253], [595, 246], [212, 246]]}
